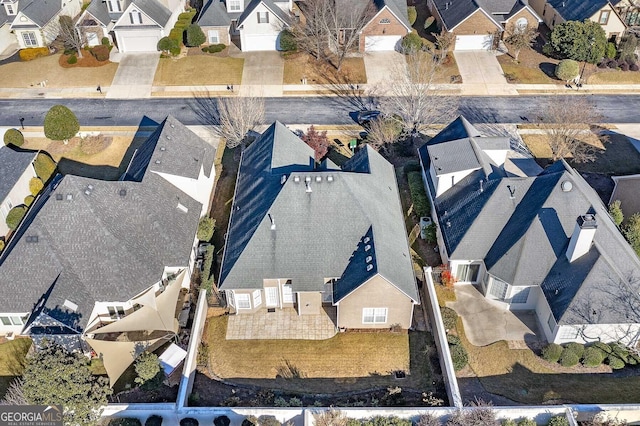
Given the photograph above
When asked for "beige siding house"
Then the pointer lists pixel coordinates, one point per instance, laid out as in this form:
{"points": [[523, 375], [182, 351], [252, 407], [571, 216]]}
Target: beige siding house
{"points": [[317, 237], [554, 12], [35, 23]]}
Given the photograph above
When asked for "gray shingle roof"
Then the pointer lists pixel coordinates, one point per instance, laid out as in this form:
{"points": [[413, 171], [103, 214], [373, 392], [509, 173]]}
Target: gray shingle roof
{"points": [[13, 163], [214, 14], [577, 10], [41, 11], [521, 228], [98, 9], [316, 233], [281, 14], [152, 8], [107, 245], [453, 12]]}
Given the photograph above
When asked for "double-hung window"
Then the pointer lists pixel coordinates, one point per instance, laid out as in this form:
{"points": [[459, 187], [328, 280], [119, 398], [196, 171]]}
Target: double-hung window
{"points": [[263, 17], [374, 315]]}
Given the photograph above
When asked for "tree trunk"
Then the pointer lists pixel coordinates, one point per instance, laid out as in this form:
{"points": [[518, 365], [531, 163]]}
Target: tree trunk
{"points": [[517, 53]]}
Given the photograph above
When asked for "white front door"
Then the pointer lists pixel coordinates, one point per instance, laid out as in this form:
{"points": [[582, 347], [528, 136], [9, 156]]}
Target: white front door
{"points": [[271, 296]]}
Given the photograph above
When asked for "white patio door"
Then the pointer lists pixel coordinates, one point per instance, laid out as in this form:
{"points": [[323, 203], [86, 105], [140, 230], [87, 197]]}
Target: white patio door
{"points": [[271, 296]]}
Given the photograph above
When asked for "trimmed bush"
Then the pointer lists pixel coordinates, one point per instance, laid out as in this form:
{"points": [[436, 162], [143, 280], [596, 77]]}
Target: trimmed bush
{"points": [[552, 352], [593, 357], [558, 421], [603, 347], [614, 362], [187, 16], [195, 36], [429, 22], [60, 123], [620, 351], [13, 137], [613, 64], [35, 186], [453, 340], [527, 422], [421, 205], [576, 348], [166, 44], [288, 41], [154, 420], [28, 200], [206, 279], [268, 421], [449, 318], [634, 67], [176, 34], [206, 226], [624, 66], [72, 60], [15, 215], [44, 166], [32, 53], [459, 357], [411, 42], [479, 416], [100, 52], [569, 358], [610, 51], [412, 15], [188, 421], [509, 422], [147, 367], [567, 69], [106, 42], [214, 48], [221, 421]]}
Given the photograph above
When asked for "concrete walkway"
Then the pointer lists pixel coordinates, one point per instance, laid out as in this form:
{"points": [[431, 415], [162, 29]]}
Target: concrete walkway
{"points": [[262, 74], [486, 323], [134, 77], [482, 74]]}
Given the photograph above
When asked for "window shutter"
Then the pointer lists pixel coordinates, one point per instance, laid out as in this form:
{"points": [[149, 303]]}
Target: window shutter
{"points": [[131, 17]]}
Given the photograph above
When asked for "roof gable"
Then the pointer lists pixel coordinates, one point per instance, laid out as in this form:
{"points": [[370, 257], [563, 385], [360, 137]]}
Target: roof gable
{"points": [[269, 4], [37, 12], [152, 9]]}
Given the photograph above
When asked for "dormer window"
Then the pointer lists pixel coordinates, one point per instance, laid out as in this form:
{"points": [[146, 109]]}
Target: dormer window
{"points": [[10, 9], [235, 5], [135, 17], [114, 6]]}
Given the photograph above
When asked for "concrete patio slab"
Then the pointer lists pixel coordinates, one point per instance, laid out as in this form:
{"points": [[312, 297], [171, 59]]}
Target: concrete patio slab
{"points": [[282, 324], [134, 77], [485, 323]]}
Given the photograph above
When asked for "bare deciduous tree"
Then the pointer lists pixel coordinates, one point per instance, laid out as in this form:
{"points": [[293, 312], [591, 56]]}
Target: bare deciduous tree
{"points": [[413, 96], [231, 118], [520, 38], [444, 42], [330, 29], [14, 394], [566, 122], [383, 131], [73, 37]]}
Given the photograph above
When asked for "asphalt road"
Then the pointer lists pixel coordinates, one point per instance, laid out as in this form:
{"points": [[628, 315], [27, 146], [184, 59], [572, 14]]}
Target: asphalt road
{"points": [[304, 110]]}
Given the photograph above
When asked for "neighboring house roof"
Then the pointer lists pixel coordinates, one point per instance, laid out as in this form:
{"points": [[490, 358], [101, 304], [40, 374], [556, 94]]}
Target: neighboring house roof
{"points": [[100, 241], [98, 9], [521, 226], [13, 163], [4, 18], [269, 4], [320, 234], [397, 7], [577, 10], [155, 10], [453, 13], [214, 14], [40, 11], [626, 190]]}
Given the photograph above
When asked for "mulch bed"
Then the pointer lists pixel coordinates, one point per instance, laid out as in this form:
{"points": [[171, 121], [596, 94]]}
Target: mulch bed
{"points": [[197, 51], [87, 61]]}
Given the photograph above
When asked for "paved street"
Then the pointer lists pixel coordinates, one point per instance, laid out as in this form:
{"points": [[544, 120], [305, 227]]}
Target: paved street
{"points": [[296, 110]]}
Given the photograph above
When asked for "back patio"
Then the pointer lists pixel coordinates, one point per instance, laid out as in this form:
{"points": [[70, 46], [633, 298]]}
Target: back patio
{"points": [[283, 323]]}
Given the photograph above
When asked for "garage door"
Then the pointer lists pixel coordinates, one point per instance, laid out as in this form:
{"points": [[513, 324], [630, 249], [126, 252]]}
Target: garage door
{"points": [[378, 43], [139, 43], [474, 42], [256, 42]]}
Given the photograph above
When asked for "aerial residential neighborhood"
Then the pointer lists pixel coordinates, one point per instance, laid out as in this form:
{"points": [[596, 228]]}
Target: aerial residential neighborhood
{"points": [[320, 212]]}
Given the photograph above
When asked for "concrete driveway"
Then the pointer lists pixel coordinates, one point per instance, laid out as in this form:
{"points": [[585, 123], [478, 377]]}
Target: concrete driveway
{"points": [[481, 73], [380, 65], [262, 74], [486, 323], [134, 76]]}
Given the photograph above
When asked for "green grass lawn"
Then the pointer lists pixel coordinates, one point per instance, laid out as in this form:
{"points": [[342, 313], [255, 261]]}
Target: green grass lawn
{"points": [[321, 366], [12, 361]]}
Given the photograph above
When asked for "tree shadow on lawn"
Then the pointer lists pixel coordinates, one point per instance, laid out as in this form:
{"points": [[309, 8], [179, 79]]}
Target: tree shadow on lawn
{"points": [[549, 69]]}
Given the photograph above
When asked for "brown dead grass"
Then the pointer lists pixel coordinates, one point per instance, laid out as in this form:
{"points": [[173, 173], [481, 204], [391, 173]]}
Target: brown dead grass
{"points": [[615, 77], [347, 361], [198, 70], [300, 65], [31, 73]]}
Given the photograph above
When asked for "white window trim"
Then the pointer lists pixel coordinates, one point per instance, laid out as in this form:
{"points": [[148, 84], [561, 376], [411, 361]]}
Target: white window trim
{"points": [[31, 42], [287, 294], [135, 17], [375, 313], [235, 5], [263, 17], [242, 298], [117, 315], [213, 36], [257, 298]]}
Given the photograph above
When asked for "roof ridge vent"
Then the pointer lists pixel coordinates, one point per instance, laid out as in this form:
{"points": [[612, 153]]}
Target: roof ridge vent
{"points": [[368, 259], [296, 179], [318, 179]]}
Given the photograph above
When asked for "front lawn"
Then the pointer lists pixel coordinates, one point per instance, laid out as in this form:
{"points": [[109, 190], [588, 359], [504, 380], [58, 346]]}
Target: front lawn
{"points": [[348, 361], [12, 361], [198, 71], [48, 69], [615, 77], [301, 65], [615, 157], [523, 73]]}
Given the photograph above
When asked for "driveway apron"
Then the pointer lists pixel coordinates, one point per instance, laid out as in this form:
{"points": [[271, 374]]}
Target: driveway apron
{"points": [[262, 74], [482, 74], [134, 77], [381, 65]]}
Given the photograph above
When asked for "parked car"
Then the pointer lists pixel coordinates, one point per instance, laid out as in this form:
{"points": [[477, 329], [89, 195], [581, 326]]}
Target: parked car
{"points": [[366, 116]]}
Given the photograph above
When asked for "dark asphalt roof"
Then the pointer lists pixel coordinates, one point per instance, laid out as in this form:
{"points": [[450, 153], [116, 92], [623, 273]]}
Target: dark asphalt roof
{"points": [[454, 12], [577, 10], [270, 4], [98, 9], [97, 240], [40, 11], [13, 163], [319, 234], [521, 226]]}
